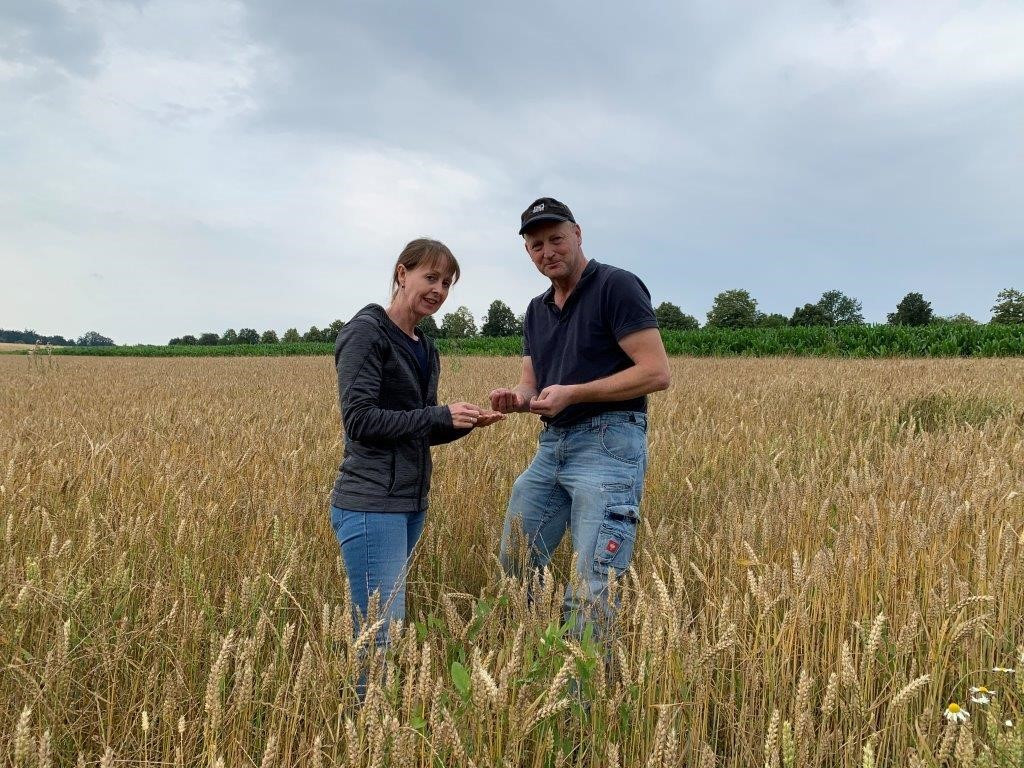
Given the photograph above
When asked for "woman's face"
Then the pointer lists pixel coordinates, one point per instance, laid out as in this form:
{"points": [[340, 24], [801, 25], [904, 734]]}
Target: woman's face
{"points": [[426, 287]]}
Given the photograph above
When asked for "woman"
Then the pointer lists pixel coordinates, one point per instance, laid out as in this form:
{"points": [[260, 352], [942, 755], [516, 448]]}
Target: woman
{"points": [[387, 388]]}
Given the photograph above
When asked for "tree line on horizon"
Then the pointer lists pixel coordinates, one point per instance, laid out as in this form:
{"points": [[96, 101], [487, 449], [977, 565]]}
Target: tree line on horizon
{"points": [[734, 308], [89, 339]]}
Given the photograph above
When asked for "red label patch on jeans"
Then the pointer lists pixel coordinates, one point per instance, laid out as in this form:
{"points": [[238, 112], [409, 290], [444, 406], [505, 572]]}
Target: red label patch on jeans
{"points": [[613, 546]]}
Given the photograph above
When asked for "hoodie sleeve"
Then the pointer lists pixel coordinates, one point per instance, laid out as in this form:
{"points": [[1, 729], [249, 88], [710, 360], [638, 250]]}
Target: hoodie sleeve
{"points": [[439, 435], [359, 357]]}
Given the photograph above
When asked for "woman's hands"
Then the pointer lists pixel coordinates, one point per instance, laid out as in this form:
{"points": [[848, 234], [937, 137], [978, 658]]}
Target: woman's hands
{"points": [[464, 415], [489, 417], [468, 416]]}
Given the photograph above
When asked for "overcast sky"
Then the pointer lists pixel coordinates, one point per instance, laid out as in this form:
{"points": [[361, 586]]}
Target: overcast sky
{"points": [[179, 166]]}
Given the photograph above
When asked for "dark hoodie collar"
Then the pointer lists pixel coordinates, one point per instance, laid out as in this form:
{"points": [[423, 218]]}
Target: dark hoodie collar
{"points": [[384, 321]]}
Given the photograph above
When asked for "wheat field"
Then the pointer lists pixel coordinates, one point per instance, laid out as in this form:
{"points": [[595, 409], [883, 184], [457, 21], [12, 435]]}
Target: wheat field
{"points": [[830, 554]]}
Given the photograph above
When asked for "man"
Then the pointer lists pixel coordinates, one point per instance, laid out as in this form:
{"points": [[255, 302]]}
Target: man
{"points": [[591, 354]]}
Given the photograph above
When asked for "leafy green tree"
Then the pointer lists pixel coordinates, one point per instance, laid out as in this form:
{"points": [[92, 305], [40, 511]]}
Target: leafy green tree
{"points": [[291, 336], [499, 320], [27, 336], [248, 336], [841, 309], [428, 325], [331, 331], [773, 320], [269, 337], [1009, 307], [94, 339], [209, 339], [188, 340], [174, 342], [810, 315], [960, 318], [313, 334], [671, 318], [229, 337], [31, 337], [912, 310], [458, 324], [733, 309], [520, 323]]}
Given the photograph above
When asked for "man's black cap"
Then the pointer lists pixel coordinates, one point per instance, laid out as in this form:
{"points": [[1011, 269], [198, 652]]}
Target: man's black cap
{"points": [[544, 209]]}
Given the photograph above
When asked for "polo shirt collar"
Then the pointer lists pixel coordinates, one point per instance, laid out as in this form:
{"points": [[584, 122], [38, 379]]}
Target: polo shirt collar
{"points": [[588, 272]]}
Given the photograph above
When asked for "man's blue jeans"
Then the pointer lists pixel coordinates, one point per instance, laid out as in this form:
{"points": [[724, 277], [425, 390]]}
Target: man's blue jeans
{"points": [[587, 478], [376, 547]]}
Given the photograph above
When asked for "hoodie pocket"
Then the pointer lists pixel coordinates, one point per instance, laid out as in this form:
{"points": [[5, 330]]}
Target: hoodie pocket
{"points": [[368, 469], [406, 478], [392, 477]]}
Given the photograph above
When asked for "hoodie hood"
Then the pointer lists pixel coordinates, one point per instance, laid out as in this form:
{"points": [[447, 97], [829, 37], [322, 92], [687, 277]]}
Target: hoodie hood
{"points": [[376, 314]]}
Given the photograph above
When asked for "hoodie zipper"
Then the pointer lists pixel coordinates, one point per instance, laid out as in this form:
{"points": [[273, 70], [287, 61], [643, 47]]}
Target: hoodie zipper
{"points": [[432, 379], [411, 358]]}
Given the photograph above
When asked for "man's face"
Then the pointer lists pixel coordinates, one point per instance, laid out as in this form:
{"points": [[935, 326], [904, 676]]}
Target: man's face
{"points": [[555, 248]]}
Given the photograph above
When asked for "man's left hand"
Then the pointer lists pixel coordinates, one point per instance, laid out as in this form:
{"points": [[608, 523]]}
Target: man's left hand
{"points": [[553, 400]]}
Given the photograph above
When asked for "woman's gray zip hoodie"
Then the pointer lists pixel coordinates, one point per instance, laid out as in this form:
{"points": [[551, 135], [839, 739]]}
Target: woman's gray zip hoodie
{"points": [[389, 420]]}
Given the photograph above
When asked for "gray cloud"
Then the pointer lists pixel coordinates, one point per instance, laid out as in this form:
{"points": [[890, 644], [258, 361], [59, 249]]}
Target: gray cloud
{"points": [[816, 141], [44, 31]]}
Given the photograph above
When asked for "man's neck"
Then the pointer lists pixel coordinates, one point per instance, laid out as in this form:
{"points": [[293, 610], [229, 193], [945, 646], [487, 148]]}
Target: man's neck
{"points": [[565, 286]]}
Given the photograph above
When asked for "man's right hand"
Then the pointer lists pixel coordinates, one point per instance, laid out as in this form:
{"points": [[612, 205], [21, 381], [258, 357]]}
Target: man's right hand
{"points": [[508, 401]]}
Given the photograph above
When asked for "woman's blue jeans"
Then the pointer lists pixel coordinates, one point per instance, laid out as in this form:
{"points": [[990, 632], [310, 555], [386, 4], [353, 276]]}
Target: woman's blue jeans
{"points": [[376, 548]]}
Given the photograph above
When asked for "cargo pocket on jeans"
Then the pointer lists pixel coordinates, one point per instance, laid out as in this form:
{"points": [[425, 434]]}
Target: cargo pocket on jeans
{"points": [[614, 548]]}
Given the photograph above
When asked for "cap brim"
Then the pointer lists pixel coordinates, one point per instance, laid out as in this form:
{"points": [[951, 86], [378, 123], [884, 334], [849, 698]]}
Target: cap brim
{"points": [[541, 218]]}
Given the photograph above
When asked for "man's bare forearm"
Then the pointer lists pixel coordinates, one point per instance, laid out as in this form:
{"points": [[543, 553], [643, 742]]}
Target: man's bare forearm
{"points": [[624, 385], [527, 393]]}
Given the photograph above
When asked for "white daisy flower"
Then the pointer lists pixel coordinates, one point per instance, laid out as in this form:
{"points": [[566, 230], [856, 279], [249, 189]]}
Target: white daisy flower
{"points": [[981, 695], [955, 714], [1008, 723], [1005, 670]]}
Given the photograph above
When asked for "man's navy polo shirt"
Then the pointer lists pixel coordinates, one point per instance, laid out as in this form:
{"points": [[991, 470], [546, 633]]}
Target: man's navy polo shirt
{"points": [[580, 342]]}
